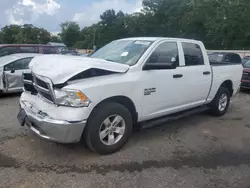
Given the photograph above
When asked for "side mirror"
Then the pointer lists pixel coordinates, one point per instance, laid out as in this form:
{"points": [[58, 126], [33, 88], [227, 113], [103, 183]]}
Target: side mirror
{"points": [[158, 66], [12, 71]]}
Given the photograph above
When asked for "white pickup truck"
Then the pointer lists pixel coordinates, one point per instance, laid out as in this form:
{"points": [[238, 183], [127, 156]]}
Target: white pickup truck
{"points": [[126, 83]]}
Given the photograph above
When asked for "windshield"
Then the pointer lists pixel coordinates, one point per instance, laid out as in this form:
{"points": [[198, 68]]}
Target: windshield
{"points": [[247, 64], [123, 51], [245, 59], [215, 57]]}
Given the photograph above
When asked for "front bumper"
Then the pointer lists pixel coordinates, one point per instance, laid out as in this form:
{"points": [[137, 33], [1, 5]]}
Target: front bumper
{"points": [[48, 128]]}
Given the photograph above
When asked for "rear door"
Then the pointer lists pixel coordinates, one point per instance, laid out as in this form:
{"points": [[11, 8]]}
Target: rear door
{"points": [[13, 74], [196, 73]]}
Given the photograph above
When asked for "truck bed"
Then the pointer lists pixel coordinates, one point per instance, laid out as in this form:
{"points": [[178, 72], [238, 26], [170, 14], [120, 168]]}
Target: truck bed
{"points": [[225, 72]]}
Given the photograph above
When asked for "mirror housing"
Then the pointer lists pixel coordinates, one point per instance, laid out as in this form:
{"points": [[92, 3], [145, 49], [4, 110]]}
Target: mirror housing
{"points": [[12, 71], [159, 66]]}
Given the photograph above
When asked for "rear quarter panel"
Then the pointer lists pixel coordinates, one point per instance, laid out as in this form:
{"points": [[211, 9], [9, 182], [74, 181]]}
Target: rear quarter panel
{"points": [[221, 73]]}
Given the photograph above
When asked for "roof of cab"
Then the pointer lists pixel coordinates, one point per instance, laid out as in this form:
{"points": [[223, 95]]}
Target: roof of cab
{"points": [[159, 38]]}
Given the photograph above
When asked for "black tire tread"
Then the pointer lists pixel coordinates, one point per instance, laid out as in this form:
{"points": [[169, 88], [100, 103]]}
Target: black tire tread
{"points": [[94, 121], [214, 104]]}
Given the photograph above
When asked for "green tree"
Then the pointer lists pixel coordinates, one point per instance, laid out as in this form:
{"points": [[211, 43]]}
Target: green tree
{"points": [[10, 33], [55, 38], [70, 33]]}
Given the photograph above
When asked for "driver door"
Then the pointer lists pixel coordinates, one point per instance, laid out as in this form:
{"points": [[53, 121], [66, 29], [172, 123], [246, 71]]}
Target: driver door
{"points": [[163, 88], [13, 74]]}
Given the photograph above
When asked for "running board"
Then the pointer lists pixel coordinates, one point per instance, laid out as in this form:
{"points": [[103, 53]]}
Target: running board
{"points": [[178, 115]]}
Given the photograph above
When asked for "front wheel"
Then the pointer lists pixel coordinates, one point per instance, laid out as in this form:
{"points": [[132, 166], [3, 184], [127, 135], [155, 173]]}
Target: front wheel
{"points": [[220, 104], [109, 128]]}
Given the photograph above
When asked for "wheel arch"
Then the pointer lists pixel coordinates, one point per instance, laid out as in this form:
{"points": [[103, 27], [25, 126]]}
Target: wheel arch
{"points": [[123, 100], [229, 85]]}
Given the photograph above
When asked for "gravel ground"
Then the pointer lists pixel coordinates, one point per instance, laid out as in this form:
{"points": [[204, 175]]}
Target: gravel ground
{"points": [[197, 151]]}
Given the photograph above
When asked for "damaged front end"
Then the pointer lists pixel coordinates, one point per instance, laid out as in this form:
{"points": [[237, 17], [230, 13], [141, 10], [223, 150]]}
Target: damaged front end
{"points": [[43, 86]]}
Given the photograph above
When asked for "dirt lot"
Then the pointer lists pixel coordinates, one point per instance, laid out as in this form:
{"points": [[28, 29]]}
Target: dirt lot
{"points": [[197, 151]]}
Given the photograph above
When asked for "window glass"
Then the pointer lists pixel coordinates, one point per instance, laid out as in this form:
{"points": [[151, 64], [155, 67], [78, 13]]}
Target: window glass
{"points": [[123, 51], [29, 49], [247, 64], [9, 67], [193, 54], [236, 58], [49, 50], [22, 64], [9, 50], [18, 65], [166, 52], [228, 58], [216, 57]]}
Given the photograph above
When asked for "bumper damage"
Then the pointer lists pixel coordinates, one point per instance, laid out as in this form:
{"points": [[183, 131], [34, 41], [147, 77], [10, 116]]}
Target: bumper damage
{"points": [[51, 129]]}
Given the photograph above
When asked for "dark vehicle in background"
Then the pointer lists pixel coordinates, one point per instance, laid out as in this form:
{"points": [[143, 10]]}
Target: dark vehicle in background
{"points": [[70, 51], [224, 57], [59, 46], [245, 59], [8, 49], [245, 81]]}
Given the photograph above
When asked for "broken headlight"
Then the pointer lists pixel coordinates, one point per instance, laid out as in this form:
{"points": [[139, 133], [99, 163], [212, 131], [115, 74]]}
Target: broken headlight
{"points": [[73, 98]]}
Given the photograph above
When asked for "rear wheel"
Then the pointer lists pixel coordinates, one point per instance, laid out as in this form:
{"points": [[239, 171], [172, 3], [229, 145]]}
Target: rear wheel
{"points": [[220, 104], [109, 128]]}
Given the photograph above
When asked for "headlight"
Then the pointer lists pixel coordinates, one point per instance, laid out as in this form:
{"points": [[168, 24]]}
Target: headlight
{"points": [[72, 98]]}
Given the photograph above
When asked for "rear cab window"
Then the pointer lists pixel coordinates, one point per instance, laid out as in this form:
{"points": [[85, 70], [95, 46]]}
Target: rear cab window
{"points": [[226, 58], [192, 54]]}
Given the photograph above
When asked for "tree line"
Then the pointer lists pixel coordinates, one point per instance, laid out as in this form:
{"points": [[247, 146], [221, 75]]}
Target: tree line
{"points": [[220, 24]]}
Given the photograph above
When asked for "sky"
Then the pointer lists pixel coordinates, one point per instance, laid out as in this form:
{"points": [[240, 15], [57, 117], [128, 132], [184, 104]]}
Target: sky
{"points": [[49, 14]]}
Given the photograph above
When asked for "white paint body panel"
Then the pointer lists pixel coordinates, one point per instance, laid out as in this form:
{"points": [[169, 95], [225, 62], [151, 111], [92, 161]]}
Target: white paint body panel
{"points": [[172, 95], [60, 68]]}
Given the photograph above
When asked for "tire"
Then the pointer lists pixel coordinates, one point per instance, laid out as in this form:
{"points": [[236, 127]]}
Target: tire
{"points": [[215, 107], [95, 125]]}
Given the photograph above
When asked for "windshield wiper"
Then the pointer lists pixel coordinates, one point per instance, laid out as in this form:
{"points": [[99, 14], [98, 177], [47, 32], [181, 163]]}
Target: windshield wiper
{"points": [[110, 60]]}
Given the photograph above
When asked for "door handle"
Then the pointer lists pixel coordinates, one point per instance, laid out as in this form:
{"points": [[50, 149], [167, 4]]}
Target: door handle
{"points": [[206, 72], [177, 76]]}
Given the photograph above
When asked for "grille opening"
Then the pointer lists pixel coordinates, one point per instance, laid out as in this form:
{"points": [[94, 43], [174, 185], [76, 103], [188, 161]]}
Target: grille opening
{"points": [[30, 88], [41, 83], [35, 90], [27, 76], [46, 96]]}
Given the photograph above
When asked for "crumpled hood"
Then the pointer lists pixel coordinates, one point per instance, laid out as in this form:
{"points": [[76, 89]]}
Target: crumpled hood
{"points": [[60, 68]]}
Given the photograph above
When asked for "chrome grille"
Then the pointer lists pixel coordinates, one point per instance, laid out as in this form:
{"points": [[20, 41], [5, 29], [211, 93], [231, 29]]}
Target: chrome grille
{"points": [[43, 86]]}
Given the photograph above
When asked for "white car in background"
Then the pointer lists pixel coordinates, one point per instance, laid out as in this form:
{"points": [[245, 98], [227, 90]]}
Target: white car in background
{"points": [[11, 70]]}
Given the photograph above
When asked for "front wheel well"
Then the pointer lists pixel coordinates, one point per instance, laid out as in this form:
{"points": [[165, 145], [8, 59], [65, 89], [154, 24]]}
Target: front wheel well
{"points": [[229, 85], [125, 101]]}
